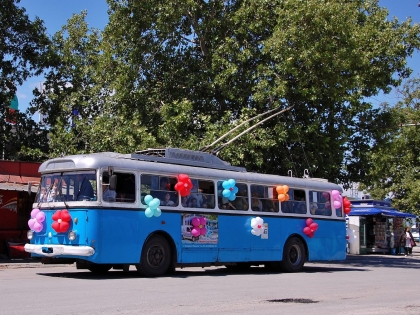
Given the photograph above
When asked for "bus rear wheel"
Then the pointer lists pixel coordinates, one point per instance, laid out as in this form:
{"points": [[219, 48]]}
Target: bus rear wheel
{"points": [[294, 255], [155, 257]]}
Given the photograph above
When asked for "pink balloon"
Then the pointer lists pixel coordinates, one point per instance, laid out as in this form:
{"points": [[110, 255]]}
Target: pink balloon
{"points": [[314, 226], [309, 221], [40, 216], [195, 221], [337, 204], [38, 227], [195, 232], [34, 212], [307, 230], [335, 193], [203, 231], [203, 221]]}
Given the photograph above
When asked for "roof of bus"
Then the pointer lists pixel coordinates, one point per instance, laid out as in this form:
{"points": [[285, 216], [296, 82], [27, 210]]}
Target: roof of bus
{"points": [[135, 162]]}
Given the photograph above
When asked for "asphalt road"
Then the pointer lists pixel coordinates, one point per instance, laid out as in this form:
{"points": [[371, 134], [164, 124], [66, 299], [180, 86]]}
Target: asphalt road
{"points": [[369, 284]]}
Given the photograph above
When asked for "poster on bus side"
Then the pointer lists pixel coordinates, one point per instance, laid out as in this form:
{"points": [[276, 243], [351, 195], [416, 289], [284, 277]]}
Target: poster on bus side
{"points": [[199, 230]]}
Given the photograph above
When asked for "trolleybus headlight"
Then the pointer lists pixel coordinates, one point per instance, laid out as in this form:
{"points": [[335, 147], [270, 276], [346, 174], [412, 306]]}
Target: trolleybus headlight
{"points": [[30, 234], [72, 235]]}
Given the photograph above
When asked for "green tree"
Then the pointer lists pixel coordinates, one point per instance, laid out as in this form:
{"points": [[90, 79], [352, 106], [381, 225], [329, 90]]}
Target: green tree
{"points": [[23, 53], [182, 73], [395, 158]]}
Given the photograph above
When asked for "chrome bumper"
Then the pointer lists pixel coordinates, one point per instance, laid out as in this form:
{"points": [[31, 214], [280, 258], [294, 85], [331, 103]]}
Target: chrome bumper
{"points": [[51, 250]]}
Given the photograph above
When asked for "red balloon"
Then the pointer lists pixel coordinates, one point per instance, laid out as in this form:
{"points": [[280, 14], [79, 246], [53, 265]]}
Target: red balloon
{"points": [[183, 177], [309, 221], [347, 210], [311, 235], [307, 230], [314, 226]]}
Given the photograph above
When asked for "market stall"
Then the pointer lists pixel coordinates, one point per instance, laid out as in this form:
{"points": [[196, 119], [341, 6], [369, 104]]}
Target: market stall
{"points": [[376, 227]]}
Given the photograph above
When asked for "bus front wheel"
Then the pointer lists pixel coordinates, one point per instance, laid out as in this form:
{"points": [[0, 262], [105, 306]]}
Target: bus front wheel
{"points": [[155, 257], [294, 255]]}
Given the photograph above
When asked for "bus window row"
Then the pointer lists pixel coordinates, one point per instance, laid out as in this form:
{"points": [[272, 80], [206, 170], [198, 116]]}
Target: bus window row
{"points": [[204, 193], [262, 198]]}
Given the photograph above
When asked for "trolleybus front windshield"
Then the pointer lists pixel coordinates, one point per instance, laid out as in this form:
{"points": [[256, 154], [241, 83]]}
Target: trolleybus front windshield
{"points": [[67, 187]]}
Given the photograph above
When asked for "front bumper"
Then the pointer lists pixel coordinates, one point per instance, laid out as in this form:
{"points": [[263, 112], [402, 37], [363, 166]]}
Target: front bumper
{"points": [[59, 250]]}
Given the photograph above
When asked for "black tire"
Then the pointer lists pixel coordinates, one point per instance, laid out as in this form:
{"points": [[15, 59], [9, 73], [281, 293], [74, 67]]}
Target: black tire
{"points": [[294, 255], [99, 269], [155, 257]]}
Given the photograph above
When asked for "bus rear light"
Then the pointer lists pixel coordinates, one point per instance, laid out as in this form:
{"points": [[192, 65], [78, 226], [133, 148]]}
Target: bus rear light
{"points": [[72, 235], [30, 234]]}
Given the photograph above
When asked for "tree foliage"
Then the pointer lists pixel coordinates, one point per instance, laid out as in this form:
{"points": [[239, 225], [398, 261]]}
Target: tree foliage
{"points": [[395, 159], [182, 73], [23, 53]]}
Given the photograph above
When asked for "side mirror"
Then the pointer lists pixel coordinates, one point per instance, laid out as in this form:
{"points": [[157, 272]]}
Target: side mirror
{"points": [[113, 182], [29, 188], [110, 170]]}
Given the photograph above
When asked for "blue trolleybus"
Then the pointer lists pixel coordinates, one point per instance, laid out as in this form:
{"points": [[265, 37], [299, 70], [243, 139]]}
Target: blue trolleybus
{"points": [[162, 209]]}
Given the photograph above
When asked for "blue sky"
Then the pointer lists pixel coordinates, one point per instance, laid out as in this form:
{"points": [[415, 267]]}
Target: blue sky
{"points": [[55, 13]]}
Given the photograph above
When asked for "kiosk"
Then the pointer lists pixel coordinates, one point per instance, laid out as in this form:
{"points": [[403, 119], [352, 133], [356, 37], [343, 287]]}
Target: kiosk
{"points": [[377, 227]]}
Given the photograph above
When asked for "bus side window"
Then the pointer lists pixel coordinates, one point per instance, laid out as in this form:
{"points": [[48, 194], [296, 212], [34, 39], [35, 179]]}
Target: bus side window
{"points": [[320, 203], [126, 187], [158, 186], [225, 203], [264, 198]]}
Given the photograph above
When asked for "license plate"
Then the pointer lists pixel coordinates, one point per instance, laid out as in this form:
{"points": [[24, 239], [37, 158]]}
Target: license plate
{"points": [[47, 250]]}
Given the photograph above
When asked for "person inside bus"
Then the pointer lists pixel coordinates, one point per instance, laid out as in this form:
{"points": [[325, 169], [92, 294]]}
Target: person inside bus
{"points": [[192, 203], [52, 194], [108, 194], [256, 203], [300, 207], [167, 201], [184, 201], [43, 195], [85, 190], [241, 203]]}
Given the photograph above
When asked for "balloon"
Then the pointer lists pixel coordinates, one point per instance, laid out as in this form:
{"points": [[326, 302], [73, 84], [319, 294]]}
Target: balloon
{"points": [[184, 185], [335, 193], [148, 212], [61, 221], [314, 226], [347, 210], [229, 189], [37, 217], [351, 236], [199, 226], [152, 209], [282, 192], [337, 204], [147, 199], [257, 225], [310, 228]]}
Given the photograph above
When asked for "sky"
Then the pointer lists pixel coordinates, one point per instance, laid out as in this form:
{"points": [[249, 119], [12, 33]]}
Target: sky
{"points": [[55, 14]]}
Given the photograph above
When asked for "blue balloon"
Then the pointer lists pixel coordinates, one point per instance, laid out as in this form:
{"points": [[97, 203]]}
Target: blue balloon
{"points": [[154, 203], [148, 213], [157, 213], [147, 199], [226, 193]]}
